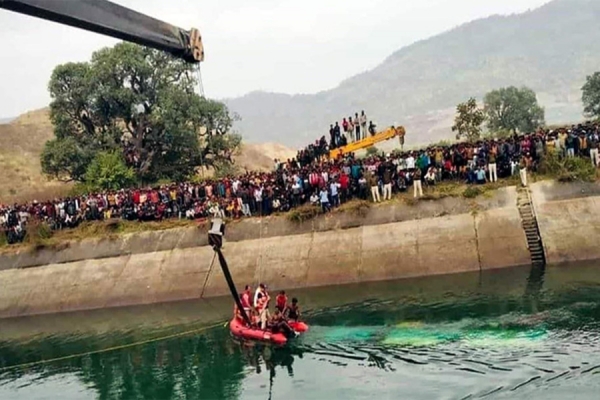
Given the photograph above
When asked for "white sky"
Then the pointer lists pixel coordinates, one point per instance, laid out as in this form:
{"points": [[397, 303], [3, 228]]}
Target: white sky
{"points": [[287, 46]]}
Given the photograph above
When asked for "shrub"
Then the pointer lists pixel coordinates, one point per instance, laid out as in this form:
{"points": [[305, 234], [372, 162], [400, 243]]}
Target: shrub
{"points": [[109, 171], [568, 169], [471, 192], [304, 213], [357, 207], [37, 233]]}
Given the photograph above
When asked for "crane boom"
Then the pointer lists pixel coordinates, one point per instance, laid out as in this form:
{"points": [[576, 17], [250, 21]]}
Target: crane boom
{"points": [[108, 18], [388, 134]]}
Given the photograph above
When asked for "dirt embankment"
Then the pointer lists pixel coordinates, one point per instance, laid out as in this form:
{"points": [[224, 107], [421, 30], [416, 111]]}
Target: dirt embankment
{"points": [[22, 141]]}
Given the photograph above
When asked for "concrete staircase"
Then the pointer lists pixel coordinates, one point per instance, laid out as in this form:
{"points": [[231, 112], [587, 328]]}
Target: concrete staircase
{"points": [[530, 226]]}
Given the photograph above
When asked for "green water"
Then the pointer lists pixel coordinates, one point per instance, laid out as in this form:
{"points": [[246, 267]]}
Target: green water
{"points": [[509, 334]]}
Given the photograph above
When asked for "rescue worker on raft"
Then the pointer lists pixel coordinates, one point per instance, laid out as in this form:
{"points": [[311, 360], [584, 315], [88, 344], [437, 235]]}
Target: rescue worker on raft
{"points": [[245, 299], [261, 305], [292, 311], [281, 301], [278, 324]]}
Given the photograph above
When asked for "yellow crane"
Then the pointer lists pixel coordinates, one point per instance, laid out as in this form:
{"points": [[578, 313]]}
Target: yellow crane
{"points": [[369, 141]]}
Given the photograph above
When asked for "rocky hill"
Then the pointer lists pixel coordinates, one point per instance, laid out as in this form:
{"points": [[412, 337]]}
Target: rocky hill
{"points": [[22, 140], [550, 49]]}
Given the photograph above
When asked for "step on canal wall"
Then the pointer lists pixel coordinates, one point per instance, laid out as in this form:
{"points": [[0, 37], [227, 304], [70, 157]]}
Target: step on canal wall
{"points": [[389, 241]]}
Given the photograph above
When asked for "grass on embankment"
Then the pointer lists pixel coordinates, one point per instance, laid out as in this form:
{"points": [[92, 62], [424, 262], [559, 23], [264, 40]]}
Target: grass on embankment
{"points": [[41, 236], [430, 193]]}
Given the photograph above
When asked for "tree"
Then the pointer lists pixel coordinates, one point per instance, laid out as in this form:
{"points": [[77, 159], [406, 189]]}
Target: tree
{"points": [[141, 103], [108, 171], [591, 96], [64, 159], [468, 120], [513, 109]]}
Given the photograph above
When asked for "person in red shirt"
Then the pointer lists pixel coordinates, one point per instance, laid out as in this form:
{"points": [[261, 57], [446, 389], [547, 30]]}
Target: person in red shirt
{"points": [[344, 185], [154, 196], [281, 301], [136, 196], [245, 300]]}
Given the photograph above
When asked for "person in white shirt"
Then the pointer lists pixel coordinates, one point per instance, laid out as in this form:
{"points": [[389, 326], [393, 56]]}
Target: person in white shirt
{"points": [[261, 304], [190, 213], [363, 123], [314, 199], [324, 197], [410, 162], [276, 204], [430, 177], [235, 186], [333, 189]]}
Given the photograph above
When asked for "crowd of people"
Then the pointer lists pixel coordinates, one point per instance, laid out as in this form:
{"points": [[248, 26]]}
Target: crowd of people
{"points": [[311, 178]]}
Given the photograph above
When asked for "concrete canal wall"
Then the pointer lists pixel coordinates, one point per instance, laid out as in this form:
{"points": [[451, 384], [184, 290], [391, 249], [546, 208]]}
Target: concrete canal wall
{"points": [[388, 242], [569, 220]]}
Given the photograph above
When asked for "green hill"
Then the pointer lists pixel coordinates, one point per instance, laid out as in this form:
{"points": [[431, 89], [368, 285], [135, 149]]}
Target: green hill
{"points": [[550, 49]]}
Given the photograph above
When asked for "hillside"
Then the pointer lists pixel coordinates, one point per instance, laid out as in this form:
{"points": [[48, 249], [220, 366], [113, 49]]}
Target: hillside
{"points": [[22, 140], [551, 49]]}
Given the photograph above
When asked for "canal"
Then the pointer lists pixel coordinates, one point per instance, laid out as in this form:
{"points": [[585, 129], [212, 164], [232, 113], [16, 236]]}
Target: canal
{"points": [[507, 334]]}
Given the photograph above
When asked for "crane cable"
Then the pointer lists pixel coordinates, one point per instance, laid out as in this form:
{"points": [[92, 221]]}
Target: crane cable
{"points": [[114, 348], [199, 78]]}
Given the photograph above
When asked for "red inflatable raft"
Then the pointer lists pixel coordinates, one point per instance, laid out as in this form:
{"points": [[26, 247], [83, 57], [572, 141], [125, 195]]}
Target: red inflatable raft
{"points": [[239, 329]]}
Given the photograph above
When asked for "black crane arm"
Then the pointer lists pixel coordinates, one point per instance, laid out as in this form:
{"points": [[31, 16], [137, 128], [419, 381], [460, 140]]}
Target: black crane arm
{"points": [[108, 18]]}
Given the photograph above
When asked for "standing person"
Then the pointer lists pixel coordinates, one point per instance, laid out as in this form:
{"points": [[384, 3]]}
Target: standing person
{"points": [[387, 182], [357, 126], [258, 198], [261, 304], [594, 142], [334, 190], [372, 128], [337, 134], [492, 167], [363, 124], [245, 300], [345, 127], [351, 129], [523, 171], [570, 144], [324, 197], [418, 188], [344, 181], [372, 183], [332, 141]]}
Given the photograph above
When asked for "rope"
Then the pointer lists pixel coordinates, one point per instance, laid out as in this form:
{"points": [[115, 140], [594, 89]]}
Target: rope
{"points": [[114, 348], [208, 275]]}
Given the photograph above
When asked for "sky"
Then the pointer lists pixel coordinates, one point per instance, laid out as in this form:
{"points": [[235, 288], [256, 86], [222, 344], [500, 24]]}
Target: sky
{"points": [[286, 46]]}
